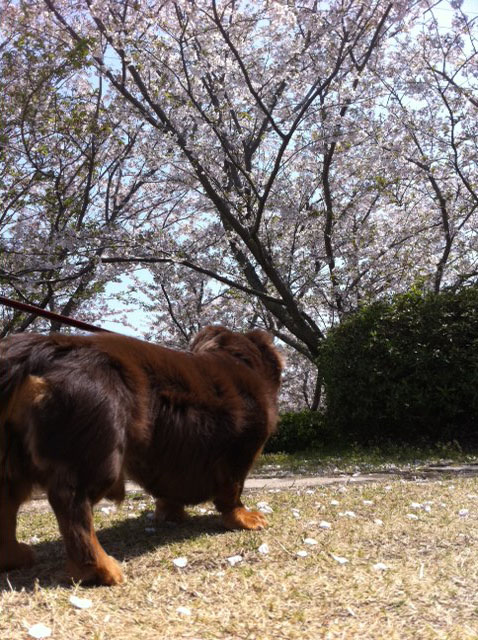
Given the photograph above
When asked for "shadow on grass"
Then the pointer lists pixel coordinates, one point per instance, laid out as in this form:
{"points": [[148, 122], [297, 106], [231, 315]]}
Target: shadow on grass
{"points": [[124, 540]]}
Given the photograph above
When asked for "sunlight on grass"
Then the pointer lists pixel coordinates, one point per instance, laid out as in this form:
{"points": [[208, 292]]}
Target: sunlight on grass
{"points": [[360, 459], [372, 575]]}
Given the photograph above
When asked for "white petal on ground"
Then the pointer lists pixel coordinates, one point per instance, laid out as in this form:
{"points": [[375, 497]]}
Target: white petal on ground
{"points": [[463, 512], [80, 603], [180, 562], [39, 631], [339, 559], [184, 611], [234, 560], [264, 507], [334, 502], [378, 522], [264, 548], [325, 525], [302, 554], [34, 540], [380, 566], [416, 505], [310, 541], [412, 516]]}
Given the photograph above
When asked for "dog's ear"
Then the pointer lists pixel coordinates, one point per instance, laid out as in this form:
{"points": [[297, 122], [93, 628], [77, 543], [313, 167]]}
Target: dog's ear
{"points": [[265, 342], [209, 339], [260, 337]]}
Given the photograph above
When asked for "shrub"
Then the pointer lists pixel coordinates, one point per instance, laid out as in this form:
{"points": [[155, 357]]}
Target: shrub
{"points": [[298, 432], [405, 370]]}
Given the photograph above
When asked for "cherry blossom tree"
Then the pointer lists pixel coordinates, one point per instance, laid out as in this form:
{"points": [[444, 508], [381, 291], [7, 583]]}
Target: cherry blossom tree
{"points": [[71, 188], [272, 162]]}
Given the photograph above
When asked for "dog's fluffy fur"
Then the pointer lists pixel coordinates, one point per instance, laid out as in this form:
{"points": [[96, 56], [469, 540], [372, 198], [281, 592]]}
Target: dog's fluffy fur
{"points": [[79, 414]]}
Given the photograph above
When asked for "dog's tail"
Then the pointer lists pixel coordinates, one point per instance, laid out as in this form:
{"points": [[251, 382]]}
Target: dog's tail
{"points": [[20, 384]]}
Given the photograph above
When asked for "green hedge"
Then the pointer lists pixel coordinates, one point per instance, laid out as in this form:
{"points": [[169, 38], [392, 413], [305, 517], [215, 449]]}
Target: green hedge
{"points": [[298, 432], [405, 370]]}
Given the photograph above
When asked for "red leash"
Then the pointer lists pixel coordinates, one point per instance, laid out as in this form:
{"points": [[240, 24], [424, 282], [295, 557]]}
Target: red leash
{"points": [[30, 308]]}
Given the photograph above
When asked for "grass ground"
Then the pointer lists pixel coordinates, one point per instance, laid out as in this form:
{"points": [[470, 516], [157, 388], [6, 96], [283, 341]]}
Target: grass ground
{"points": [[393, 560], [366, 460]]}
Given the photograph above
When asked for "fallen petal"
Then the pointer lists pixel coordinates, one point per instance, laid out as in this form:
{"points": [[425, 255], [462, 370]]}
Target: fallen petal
{"points": [[302, 554], [325, 525], [80, 603], [310, 541], [380, 566], [264, 507], [39, 631], [180, 562], [339, 559], [184, 611], [264, 548], [234, 560]]}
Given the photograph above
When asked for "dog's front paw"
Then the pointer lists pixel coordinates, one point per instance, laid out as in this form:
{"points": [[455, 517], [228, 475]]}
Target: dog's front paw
{"points": [[106, 572], [169, 512], [241, 518]]}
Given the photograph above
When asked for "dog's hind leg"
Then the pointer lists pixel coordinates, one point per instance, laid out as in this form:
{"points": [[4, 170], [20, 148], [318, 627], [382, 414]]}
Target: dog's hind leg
{"points": [[13, 554], [87, 560], [234, 514]]}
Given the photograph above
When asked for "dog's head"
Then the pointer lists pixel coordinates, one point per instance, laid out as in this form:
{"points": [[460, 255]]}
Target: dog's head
{"points": [[254, 348]]}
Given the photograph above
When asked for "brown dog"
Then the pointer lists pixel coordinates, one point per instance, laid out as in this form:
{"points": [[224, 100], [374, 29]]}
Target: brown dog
{"points": [[79, 414]]}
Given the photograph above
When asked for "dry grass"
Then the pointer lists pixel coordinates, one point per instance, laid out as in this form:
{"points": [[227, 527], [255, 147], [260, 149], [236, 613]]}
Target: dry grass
{"points": [[427, 591]]}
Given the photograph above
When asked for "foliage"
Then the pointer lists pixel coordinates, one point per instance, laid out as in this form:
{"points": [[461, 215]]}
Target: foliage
{"points": [[299, 431], [405, 369]]}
